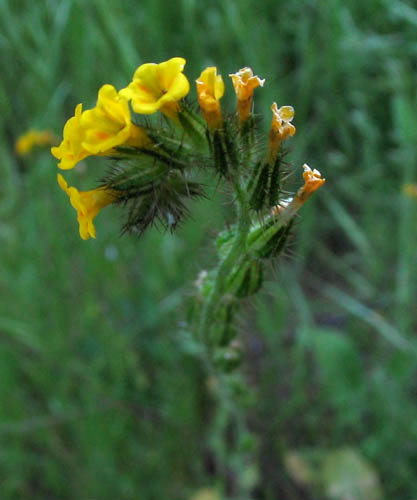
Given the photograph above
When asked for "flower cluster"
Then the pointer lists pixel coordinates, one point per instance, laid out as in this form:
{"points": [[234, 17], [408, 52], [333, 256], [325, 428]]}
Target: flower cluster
{"points": [[155, 164]]}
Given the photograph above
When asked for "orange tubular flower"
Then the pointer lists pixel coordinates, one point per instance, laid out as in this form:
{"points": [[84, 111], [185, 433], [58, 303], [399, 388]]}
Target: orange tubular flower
{"points": [[210, 89], [312, 181], [158, 87], [288, 208], [281, 128], [244, 83], [87, 204]]}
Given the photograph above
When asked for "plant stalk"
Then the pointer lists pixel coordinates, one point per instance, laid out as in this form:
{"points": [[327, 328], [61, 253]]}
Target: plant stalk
{"points": [[226, 265]]}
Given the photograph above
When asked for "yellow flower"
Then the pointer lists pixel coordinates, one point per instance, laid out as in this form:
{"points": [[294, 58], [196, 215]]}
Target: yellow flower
{"points": [[210, 89], [87, 204], [26, 142], [158, 87], [281, 128], [244, 83], [71, 151], [109, 125], [99, 130]]}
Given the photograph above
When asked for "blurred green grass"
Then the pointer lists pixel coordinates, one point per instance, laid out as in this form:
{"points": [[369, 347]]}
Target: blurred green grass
{"points": [[100, 396]]}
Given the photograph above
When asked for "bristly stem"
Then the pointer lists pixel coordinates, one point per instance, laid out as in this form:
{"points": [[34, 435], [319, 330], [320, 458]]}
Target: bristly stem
{"points": [[226, 265], [227, 407]]}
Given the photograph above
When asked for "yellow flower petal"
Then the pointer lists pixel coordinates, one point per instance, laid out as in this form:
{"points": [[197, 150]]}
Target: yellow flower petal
{"points": [[109, 125], [99, 130], [87, 205], [71, 151], [281, 119], [169, 72], [158, 87], [244, 83]]}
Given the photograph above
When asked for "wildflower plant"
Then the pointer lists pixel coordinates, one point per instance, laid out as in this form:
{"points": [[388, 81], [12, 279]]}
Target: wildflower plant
{"points": [[160, 144]]}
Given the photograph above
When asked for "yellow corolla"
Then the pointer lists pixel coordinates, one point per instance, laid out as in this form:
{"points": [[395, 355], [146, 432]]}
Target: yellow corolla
{"points": [[210, 89], [109, 125], [32, 138], [71, 151], [158, 87], [281, 128], [87, 204], [99, 130], [244, 84]]}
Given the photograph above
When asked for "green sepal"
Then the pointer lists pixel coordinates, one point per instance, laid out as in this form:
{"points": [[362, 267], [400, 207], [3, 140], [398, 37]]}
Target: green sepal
{"points": [[274, 183], [225, 147], [268, 239], [206, 283], [162, 203], [224, 241], [246, 279], [265, 183], [230, 142], [135, 176], [247, 130], [193, 126], [257, 186], [219, 153], [223, 331], [276, 244]]}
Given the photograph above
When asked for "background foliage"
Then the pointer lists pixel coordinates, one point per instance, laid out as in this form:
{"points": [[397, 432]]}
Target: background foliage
{"points": [[100, 394]]}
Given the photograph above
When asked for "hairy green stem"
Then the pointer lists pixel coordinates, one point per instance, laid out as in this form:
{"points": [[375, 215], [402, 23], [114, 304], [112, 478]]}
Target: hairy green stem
{"points": [[226, 265], [227, 408]]}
